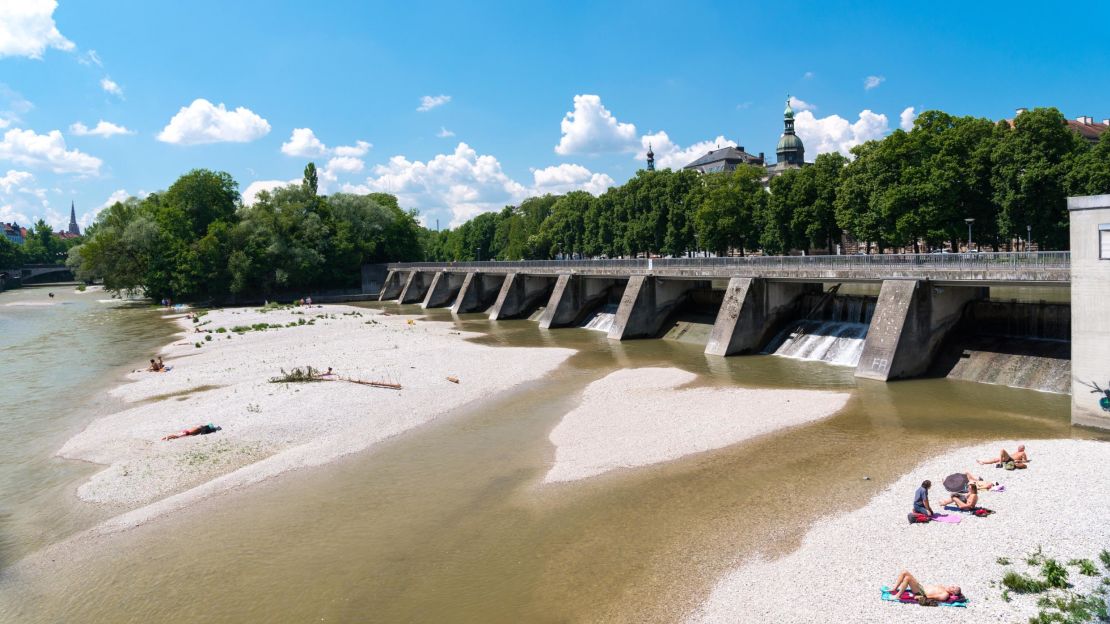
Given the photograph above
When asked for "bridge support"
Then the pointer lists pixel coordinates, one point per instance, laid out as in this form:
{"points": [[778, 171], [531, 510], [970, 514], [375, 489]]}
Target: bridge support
{"points": [[443, 289], [752, 311], [477, 293], [1090, 324], [520, 295], [645, 305], [392, 286], [573, 297], [911, 319], [415, 288]]}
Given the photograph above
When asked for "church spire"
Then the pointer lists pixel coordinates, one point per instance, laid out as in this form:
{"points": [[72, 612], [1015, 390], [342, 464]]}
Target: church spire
{"points": [[73, 227], [650, 159]]}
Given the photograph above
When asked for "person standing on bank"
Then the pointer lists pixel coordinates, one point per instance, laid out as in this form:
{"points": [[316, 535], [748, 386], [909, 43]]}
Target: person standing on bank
{"points": [[921, 499]]}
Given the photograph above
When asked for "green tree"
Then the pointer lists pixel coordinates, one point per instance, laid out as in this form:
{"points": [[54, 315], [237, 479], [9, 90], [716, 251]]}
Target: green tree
{"points": [[311, 181], [1090, 173], [729, 203]]}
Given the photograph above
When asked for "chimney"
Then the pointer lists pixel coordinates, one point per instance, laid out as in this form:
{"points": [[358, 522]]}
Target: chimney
{"points": [[1020, 111], [740, 147]]}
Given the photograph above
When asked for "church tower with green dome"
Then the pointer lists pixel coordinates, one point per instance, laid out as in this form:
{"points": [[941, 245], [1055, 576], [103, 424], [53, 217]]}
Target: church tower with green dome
{"points": [[790, 150]]}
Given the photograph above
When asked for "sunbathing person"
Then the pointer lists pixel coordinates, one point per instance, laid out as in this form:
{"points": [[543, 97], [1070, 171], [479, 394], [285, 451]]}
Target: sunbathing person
{"points": [[201, 430], [966, 502], [981, 483], [941, 593], [1020, 458], [154, 366]]}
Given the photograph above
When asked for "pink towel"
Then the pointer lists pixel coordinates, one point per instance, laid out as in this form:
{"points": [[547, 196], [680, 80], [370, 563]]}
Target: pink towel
{"points": [[946, 518]]}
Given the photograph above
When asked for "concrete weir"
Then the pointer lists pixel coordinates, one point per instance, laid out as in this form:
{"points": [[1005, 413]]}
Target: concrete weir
{"points": [[911, 319], [752, 312], [392, 285], [520, 295], [443, 289], [415, 287], [646, 303], [575, 296], [477, 293]]}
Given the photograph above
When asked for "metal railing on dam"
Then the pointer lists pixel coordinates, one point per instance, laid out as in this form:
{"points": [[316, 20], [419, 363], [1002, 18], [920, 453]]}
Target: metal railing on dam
{"points": [[1050, 267]]}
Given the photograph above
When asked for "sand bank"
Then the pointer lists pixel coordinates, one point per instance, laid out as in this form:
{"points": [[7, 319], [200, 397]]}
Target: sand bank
{"points": [[270, 428], [1061, 504], [638, 417]]}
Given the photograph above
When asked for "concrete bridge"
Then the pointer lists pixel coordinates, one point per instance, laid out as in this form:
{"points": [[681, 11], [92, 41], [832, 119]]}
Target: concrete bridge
{"points": [[36, 274], [922, 296]]}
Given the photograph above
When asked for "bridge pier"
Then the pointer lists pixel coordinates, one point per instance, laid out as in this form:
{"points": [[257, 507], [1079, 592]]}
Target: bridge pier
{"points": [[415, 287], [392, 286], [1090, 324], [911, 319], [520, 294], [752, 312], [477, 293], [573, 297], [645, 304], [443, 289]]}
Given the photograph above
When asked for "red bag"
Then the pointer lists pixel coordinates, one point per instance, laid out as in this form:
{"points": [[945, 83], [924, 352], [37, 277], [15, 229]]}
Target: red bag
{"points": [[916, 518]]}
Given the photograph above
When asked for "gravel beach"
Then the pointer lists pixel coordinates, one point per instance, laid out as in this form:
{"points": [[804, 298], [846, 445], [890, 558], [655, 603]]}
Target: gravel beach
{"points": [[638, 417], [269, 428], [1060, 504]]}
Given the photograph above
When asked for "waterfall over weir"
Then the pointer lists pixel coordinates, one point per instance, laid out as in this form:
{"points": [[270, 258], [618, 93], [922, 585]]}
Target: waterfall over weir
{"points": [[834, 333], [601, 319]]}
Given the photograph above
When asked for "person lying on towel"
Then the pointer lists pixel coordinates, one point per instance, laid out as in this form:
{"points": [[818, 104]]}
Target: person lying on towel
{"points": [[940, 593], [198, 430], [965, 502]]}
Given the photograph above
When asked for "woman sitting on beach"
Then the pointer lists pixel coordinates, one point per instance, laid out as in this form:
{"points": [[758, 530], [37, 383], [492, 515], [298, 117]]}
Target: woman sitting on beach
{"points": [[201, 430], [965, 502], [155, 366], [1018, 459], [940, 593]]}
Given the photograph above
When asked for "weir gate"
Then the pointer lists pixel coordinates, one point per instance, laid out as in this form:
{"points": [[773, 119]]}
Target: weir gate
{"points": [[916, 302]]}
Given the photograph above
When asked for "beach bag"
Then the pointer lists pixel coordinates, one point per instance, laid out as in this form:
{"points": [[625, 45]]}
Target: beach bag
{"points": [[1009, 465], [982, 512], [916, 518]]}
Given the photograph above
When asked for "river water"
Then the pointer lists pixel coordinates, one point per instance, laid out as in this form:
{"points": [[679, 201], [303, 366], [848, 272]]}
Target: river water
{"points": [[449, 522]]}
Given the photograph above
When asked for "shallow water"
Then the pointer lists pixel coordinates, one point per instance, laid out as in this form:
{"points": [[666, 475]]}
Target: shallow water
{"points": [[450, 523]]}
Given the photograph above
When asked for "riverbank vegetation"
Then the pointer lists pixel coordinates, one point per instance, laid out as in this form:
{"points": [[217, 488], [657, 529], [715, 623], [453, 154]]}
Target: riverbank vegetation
{"points": [[910, 191]]}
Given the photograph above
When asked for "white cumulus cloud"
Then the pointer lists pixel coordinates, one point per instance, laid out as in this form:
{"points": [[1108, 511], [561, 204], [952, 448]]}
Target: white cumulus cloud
{"points": [[428, 102], [203, 122], [567, 177], [801, 105], [27, 28], [836, 134], [670, 155], [47, 151], [345, 164], [591, 129], [303, 142], [103, 128], [250, 194], [358, 149], [907, 118], [871, 82], [111, 86], [14, 179]]}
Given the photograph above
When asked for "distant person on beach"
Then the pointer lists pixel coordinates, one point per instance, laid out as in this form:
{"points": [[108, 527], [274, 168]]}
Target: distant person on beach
{"points": [[51, 295], [940, 593], [201, 430], [1018, 459], [966, 502], [980, 482], [921, 499], [308, 300], [154, 366], [161, 364]]}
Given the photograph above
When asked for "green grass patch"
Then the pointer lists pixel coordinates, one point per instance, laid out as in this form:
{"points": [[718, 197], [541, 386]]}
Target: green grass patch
{"points": [[297, 375], [221, 330], [1055, 574], [1104, 557], [1022, 583], [1086, 566], [1003, 561]]}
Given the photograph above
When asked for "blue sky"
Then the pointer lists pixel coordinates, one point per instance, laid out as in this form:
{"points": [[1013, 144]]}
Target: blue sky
{"points": [[459, 108]]}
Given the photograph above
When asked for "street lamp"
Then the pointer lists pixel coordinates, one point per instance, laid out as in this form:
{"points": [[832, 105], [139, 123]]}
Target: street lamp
{"points": [[1028, 236], [969, 222], [478, 251]]}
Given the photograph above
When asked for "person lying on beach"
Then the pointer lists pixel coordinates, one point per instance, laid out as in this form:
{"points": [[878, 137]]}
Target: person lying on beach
{"points": [[921, 499], [200, 430], [981, 483], [1020, 458], [940, 593], [155, 366], [965, 502]]}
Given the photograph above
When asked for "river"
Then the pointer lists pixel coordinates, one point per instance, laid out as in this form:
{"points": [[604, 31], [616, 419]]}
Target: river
{"points": [[449, 522]]}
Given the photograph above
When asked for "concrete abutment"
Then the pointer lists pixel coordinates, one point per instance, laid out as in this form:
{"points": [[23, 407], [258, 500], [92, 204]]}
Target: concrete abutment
{"points": [[752, 312], [415, 287], [391, 287], [573, 297], [443, 290], [477, 292], [646, 303], [1090, 324], [521, 294]]}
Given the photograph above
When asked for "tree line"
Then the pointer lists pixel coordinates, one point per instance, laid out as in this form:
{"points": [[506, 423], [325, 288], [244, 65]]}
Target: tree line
{"points": [[41, 246], [911, 190], [196, 240]]}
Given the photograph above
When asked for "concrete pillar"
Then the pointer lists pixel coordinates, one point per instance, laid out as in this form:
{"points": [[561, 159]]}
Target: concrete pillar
{"points": [[477, 292], [415, 287], [572, 298], [752, 312], [392, 286], [911, 319], [443, 289], [1090, 302], [521, 294], [645, 304]]}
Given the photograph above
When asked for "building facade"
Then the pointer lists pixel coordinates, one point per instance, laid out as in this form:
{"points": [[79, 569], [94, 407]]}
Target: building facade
{"points": [[790, 153]]}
